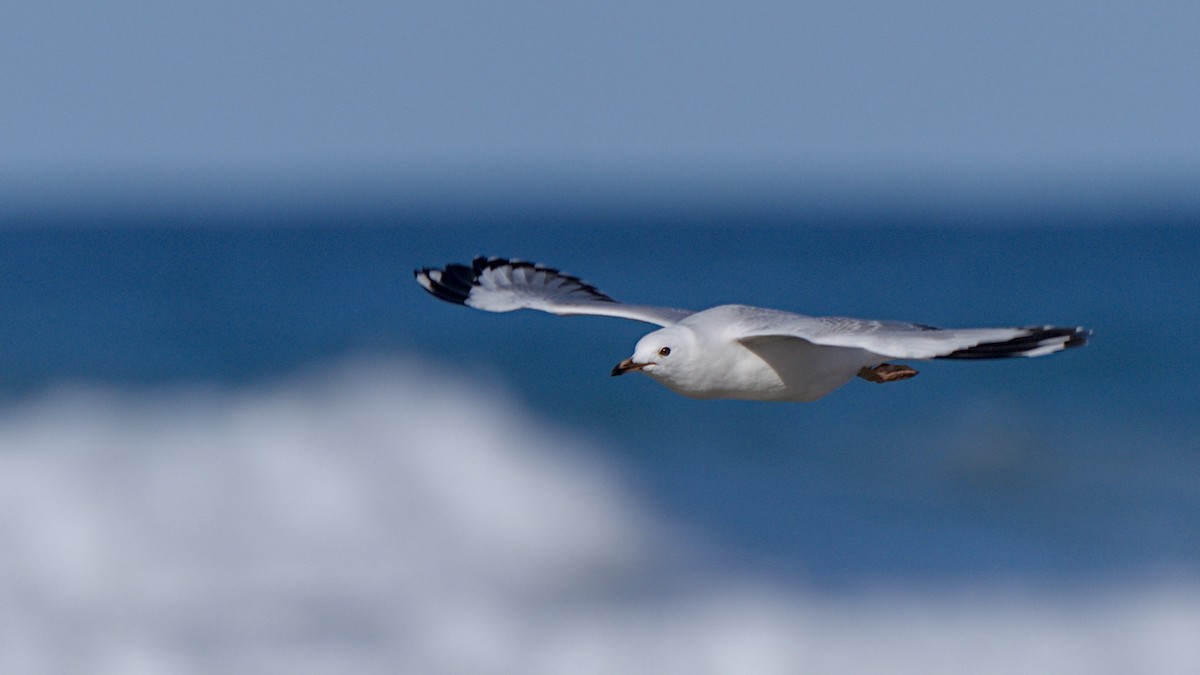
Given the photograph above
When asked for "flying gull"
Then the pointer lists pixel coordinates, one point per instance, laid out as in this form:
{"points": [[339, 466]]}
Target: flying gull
{"points": [[738, 351]]}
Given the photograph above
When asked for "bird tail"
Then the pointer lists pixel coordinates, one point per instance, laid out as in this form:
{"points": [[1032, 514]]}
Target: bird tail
{"points": [[1037, 341]]}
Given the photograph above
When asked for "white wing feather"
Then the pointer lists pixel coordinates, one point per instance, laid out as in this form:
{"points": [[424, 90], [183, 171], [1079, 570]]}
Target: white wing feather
{"points": [[899, 340], [501, 285]]}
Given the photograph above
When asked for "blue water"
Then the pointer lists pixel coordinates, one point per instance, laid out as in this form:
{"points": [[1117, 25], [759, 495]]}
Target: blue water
{"points": [[1077, 466]]}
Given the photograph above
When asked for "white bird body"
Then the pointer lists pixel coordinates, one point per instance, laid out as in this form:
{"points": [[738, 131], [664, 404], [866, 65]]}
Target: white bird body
{"points": [[739, 351], [711, 357]]}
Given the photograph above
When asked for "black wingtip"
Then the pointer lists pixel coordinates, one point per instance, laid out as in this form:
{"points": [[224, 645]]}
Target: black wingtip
{"points": [[453, 283], [1038, 338], [1079, 338]]}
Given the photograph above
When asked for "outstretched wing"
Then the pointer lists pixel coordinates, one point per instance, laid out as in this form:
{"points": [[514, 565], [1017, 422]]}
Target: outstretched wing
{"points": [[501, 285], [898, 340]]}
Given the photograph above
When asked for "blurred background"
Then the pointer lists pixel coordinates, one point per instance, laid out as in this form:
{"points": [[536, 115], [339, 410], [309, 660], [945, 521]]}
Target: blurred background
{"points": [[236, 437]]}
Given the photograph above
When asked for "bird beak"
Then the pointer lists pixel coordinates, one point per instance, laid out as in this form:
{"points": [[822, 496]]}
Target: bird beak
{"points": [[626, 366]]}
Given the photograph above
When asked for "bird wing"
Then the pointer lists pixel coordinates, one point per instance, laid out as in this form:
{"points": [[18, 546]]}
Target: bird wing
{"points": [[900, 340], [501, 285]]}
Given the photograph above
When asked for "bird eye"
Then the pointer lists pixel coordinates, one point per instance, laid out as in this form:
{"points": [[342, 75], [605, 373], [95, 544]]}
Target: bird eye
{"points": [[665, 351]]}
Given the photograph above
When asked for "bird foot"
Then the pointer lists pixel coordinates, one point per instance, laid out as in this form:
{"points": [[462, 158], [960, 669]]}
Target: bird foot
{"points": [[887, 372]]}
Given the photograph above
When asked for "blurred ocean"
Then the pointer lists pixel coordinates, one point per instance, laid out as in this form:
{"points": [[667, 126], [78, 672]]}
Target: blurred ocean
{"points": [[231, 445]]}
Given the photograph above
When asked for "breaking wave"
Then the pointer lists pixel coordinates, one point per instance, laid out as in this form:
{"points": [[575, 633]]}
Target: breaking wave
{"points": [[383, 517]]}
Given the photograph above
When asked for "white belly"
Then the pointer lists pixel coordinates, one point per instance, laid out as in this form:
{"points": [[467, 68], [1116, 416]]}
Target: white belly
{"points": [[776, 369]]}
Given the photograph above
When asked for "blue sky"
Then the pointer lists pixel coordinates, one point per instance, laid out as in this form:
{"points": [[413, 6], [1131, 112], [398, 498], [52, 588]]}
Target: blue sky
{"points": [[275, 91]]}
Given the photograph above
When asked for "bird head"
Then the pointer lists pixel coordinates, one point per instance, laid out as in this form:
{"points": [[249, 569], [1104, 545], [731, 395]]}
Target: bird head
{"points": [[663, 355]]}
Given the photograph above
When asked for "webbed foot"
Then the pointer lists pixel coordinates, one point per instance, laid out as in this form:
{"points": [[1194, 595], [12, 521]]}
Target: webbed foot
{"points": [[887, 372]]}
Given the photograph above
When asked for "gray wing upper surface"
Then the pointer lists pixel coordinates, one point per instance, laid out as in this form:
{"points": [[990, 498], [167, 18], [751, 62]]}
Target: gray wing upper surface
{"points": [[503, 285], [896, 339]]}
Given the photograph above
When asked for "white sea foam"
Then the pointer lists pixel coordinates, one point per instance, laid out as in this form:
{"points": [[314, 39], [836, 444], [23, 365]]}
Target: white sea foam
{"points": [[394, 518]]}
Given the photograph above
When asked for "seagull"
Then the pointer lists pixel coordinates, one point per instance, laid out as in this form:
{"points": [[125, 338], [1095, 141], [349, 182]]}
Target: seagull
{"points": [[739, 351]]}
